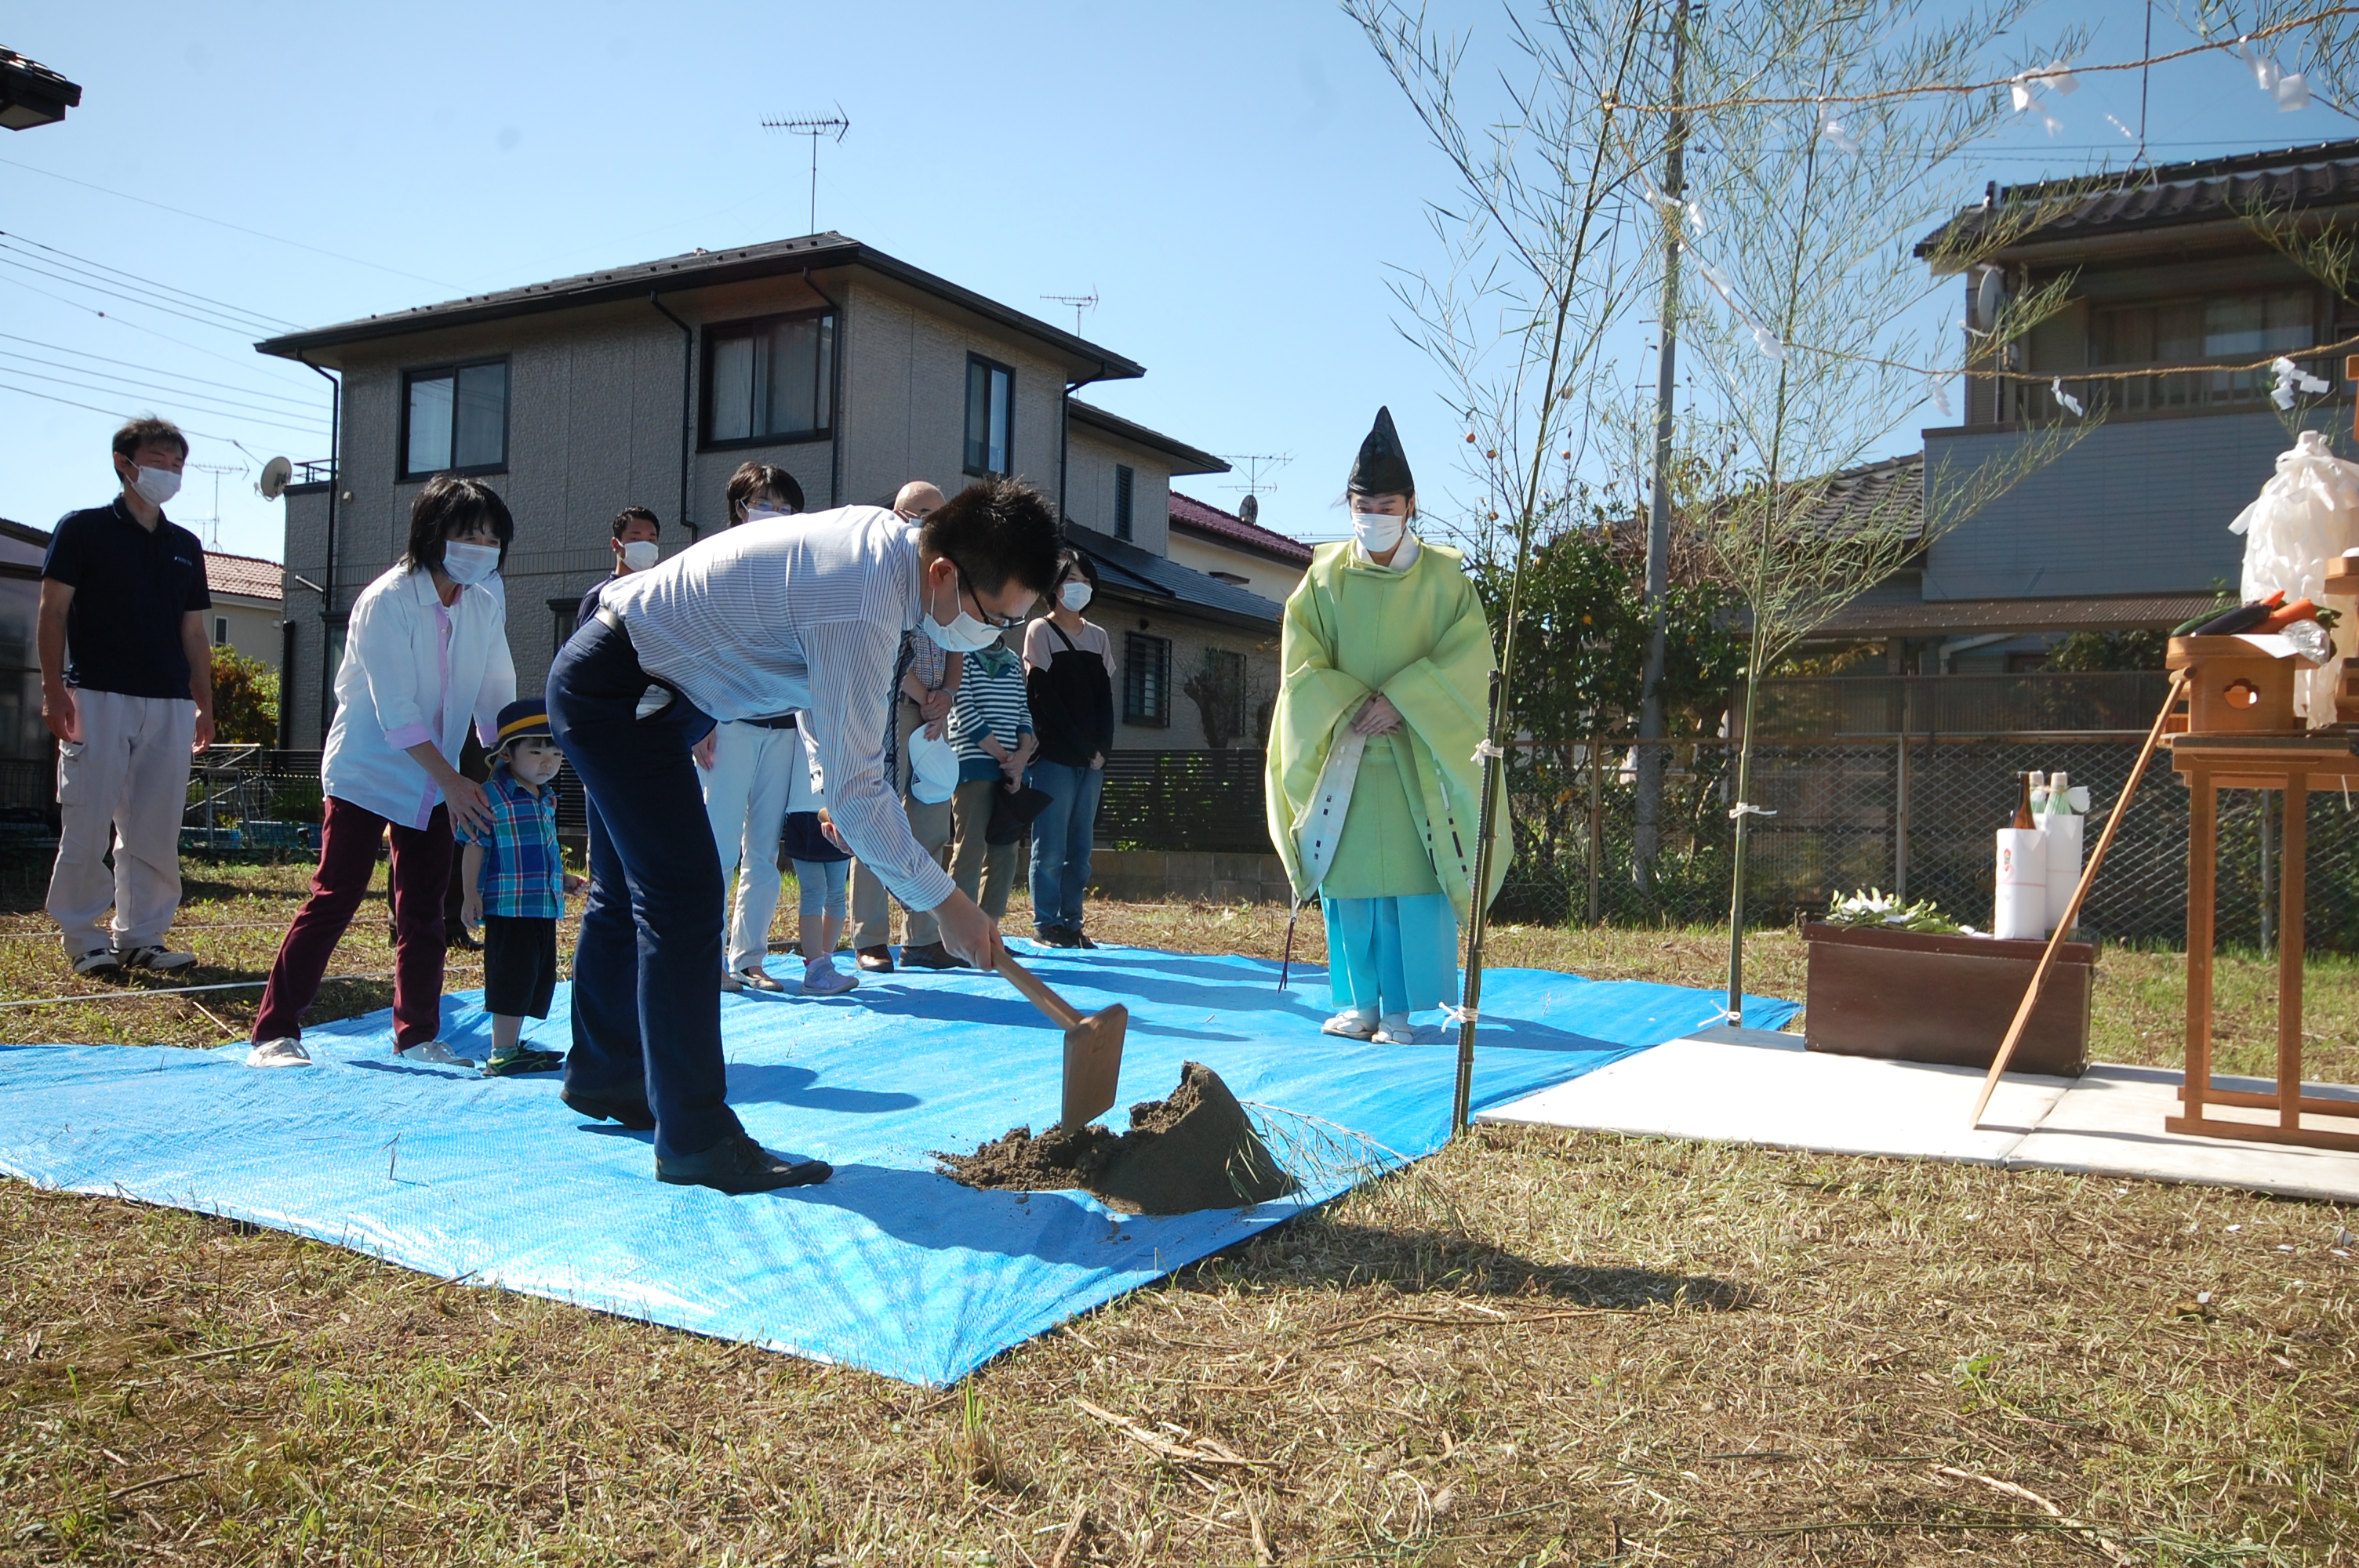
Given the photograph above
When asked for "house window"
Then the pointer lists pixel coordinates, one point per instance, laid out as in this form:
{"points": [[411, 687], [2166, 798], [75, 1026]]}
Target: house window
{"points": [[1124, 481], [454, 419], [1147, 680], [990, 397], [769, 381], [220, 631], [2239, 327]]}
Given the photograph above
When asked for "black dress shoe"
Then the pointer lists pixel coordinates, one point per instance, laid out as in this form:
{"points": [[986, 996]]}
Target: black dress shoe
{"points": [[737, 1166], [1056, 937], [928, 956], [874, 960], [632, 1114]]}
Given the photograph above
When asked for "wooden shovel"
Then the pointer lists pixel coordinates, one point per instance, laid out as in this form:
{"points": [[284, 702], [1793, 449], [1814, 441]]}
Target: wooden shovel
{"points": [[1092, 1044]]}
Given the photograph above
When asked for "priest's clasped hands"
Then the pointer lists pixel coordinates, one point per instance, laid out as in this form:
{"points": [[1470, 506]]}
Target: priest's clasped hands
{"points": [[1377, 716]]}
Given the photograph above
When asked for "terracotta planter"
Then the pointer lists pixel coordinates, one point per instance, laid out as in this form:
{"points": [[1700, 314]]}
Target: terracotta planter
{"points": [[1945, 999]]}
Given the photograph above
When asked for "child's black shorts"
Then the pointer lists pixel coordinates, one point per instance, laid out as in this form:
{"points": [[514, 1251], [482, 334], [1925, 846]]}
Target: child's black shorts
{"points": [[519, 965]]}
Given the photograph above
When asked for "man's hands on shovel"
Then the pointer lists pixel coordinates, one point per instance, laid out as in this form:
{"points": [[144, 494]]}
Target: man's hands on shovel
{"points": [[972, 935]]}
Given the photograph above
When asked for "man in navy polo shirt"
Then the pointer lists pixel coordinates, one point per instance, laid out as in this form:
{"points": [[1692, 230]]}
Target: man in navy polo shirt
{"points": [[127, 689]]}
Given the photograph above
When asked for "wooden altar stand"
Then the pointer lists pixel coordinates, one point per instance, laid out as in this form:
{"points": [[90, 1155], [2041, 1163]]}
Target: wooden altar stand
{"points": [[2297, 764]]}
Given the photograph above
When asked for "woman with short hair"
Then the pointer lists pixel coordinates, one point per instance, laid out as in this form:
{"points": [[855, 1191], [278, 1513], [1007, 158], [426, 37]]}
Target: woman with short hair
{"points": [[1069, 672]]}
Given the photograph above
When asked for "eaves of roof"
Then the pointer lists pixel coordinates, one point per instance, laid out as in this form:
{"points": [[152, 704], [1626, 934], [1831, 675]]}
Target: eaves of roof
{"points": [[1971, 617], [1191, 515], [1187, 459], [701, 269], [1142, 577]]}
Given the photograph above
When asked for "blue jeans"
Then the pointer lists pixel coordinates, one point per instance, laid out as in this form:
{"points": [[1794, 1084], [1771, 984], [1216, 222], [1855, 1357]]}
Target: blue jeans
{"points": [[646, 1007], [1060, 840]]}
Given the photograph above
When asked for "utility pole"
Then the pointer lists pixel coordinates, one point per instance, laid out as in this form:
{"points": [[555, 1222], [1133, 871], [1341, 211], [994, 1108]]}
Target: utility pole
{"points": [[1647, 828], [834, 125]]}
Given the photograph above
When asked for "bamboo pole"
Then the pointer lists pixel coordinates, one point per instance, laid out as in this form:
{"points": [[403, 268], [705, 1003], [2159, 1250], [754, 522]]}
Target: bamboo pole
{"points": [[2072, 910]]}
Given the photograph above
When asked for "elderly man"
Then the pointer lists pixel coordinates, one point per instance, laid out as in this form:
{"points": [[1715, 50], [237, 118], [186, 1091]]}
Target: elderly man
{"points": [[798, 614], [922, 693], [128, 685]]}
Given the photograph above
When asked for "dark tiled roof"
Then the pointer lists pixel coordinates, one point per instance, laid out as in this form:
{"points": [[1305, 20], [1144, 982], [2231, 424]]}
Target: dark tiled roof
{"points": [[1189, 459], [16, 71], [1141, 575], [1874, 492], [2140, 612], [2325, 175], [699, 269], [1197, 517]]}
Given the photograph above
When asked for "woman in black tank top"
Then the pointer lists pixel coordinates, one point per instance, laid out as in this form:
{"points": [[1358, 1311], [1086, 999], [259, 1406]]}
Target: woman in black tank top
{"points": [[1068, 675]]}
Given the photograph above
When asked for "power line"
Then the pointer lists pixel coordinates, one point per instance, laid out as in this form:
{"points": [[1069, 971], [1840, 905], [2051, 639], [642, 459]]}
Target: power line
{"points": [[150, 387], [223, 305], [94, 408], [121, 320], [19, 260], [239, 414], [237, 228], [152, 370]]}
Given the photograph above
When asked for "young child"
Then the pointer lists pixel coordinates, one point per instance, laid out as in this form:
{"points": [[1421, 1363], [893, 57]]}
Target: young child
{"points": [[821, 869], [991, 725], [516, 883]]}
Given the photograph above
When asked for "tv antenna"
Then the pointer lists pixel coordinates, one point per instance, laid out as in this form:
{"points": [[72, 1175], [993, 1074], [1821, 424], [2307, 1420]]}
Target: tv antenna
{"points": [[217, 470], [1080, 302], [815, 127], [1250, 507]]}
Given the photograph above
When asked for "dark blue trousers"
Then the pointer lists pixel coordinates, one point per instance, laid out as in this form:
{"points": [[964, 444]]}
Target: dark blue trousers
{"points": [[646, 1007]]}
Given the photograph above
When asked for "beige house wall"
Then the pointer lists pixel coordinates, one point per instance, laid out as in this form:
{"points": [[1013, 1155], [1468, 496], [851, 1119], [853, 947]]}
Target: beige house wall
{"points": [[253, 626], [1089, 482]]}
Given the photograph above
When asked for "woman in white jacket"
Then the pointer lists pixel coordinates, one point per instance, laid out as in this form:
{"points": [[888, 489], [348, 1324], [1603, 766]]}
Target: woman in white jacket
{"points": [[426, 651]]}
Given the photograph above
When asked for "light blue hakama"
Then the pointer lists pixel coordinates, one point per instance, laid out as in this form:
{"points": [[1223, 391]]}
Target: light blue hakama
{"points": [[1392, 954]]}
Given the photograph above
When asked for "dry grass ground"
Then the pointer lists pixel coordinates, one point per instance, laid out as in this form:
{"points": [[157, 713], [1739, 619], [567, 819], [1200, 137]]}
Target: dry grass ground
{"points": [[1537, 1348]]}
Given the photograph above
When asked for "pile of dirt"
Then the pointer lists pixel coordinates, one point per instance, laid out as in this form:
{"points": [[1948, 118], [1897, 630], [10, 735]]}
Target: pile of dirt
{"points": [[1194, 1151]]}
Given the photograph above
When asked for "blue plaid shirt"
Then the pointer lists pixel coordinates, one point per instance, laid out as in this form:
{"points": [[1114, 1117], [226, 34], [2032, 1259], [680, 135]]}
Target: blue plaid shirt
{"points": [[524, 873]]}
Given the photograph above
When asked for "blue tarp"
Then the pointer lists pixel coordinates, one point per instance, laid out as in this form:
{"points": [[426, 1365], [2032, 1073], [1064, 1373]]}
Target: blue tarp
{"points": [[888, 1266]]}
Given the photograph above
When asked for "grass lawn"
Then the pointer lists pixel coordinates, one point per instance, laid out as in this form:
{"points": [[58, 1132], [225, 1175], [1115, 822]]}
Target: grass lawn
{"points": [[1536, 1347]]}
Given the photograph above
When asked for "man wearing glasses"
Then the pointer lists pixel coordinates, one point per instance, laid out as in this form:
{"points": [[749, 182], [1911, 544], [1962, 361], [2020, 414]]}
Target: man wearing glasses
{"points": [[800, 615]]}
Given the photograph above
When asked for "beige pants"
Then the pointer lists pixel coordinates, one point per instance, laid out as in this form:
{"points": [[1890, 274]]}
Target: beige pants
{"points": [[973, 859], [123, 785], [872, 907]]}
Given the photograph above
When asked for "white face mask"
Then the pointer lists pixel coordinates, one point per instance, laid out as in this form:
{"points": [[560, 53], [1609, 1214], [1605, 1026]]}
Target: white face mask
{"points": [[964, 634], [763, 511], [1377, 530], [1074, 596], [469, 563], [639, 555], [157, 486]]}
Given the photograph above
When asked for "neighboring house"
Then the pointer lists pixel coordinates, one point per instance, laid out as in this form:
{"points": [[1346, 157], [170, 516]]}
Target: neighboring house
{"points": [[248, 611], [1242, 555], [649, 385], [2128, 530], [23, 735]]}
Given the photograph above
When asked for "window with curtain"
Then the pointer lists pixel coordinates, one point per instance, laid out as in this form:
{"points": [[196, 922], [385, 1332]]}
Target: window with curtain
{"points": [[455, 419], [772, 379], [2243, 326], [990, 402]]}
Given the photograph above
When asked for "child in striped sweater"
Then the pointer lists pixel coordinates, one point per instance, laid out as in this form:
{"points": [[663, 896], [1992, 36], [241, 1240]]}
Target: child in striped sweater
{"points": [[991, 725]]}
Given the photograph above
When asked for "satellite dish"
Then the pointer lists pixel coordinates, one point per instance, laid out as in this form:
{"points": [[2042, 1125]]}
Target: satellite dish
{"points": [[275, 473], [1249, 508], [1990, 298]]}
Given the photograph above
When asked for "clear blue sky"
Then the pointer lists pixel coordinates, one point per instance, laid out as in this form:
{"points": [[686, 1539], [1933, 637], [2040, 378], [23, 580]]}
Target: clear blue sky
{"points": [[1231, 178]]}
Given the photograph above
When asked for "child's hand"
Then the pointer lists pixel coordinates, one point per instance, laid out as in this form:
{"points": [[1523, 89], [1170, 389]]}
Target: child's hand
{"points": [[471, 909]]}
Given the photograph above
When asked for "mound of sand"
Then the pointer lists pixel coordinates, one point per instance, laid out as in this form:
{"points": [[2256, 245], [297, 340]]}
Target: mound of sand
{"points": [[1193, 1151]]}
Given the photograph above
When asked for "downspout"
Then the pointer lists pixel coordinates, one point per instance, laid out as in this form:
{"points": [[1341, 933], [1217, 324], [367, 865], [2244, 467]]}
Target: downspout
{"points": [[1065, 435], [687, 402], [335, 484], [834, 396]]}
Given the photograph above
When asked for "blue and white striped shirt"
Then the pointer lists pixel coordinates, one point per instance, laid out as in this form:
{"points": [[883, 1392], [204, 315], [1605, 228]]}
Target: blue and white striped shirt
{"points": [[801, 615], [988, 704]]}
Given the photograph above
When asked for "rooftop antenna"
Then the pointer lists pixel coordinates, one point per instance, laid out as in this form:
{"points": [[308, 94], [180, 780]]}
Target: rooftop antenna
{"points": [[1249, 509], [212, 524], [815, 127], [1080, 302]]}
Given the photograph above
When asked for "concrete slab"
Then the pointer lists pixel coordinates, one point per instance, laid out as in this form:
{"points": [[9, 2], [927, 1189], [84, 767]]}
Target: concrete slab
{"points": [[2111, 1121], [1751, 1085]]}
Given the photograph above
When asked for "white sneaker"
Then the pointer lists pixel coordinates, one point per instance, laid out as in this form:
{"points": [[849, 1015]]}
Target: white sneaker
{"points": [[1350, 1023], [1396, 1030], [155, 958], [434, 1053], [821, 978], [278, 1053]]}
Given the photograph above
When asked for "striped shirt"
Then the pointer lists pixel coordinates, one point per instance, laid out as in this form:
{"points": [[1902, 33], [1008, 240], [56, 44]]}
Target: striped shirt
{"points": [[989, 704], [524, 874], [801, 615]]}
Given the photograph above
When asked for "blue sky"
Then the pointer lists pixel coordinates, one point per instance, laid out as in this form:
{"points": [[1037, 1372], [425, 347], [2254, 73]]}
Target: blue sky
{"points": [[1231, 179]]}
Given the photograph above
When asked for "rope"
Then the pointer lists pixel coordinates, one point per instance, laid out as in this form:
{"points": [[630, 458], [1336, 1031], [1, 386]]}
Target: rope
{"points": [[192, 990]]}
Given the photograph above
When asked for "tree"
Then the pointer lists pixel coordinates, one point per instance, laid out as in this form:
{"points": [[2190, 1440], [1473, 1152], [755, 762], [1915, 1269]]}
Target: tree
{"points": [[246, 699]]}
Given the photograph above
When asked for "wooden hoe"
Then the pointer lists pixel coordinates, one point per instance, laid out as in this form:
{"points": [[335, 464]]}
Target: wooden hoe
{"points": [[1092, 1045]]}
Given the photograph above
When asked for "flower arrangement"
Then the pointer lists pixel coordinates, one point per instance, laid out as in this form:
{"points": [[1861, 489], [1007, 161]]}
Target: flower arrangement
{"points": [[1877, 908]]}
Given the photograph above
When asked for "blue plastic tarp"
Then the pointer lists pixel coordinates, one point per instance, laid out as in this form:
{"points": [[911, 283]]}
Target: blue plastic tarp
{"points": [[890, 1266]]}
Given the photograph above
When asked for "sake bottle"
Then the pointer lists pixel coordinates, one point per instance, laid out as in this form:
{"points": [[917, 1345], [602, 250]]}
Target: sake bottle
{"points": [[2023, 817]]}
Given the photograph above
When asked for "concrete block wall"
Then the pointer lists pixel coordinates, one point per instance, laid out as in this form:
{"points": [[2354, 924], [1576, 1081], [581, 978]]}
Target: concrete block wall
{"points": [[1155, 876]]}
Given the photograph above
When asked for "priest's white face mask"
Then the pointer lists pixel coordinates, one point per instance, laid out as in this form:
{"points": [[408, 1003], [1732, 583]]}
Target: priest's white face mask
{"points": [[1379, 521]]}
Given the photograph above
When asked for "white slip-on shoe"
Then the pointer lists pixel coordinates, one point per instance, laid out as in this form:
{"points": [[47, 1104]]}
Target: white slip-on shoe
{"points": [[156, 957], [1350, 1023], [1396, 1030], [278, 1053], [434, 1053], [760, 979], [821, 978]]}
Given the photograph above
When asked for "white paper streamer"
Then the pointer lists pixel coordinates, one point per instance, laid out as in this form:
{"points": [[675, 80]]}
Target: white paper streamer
{"points": [[1767, 341], [2292, 380], [1833, 130], [1746, 808], [1484, 749], [2293, 92], [2056, 387], [1937, 387]]}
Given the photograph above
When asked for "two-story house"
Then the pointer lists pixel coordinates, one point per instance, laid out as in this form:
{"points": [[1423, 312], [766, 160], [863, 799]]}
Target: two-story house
{"points": [[2128, 529], [649, 385]]}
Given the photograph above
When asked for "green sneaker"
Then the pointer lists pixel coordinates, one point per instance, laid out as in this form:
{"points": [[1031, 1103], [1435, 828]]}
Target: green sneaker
{"points": [[523, 1059]]}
